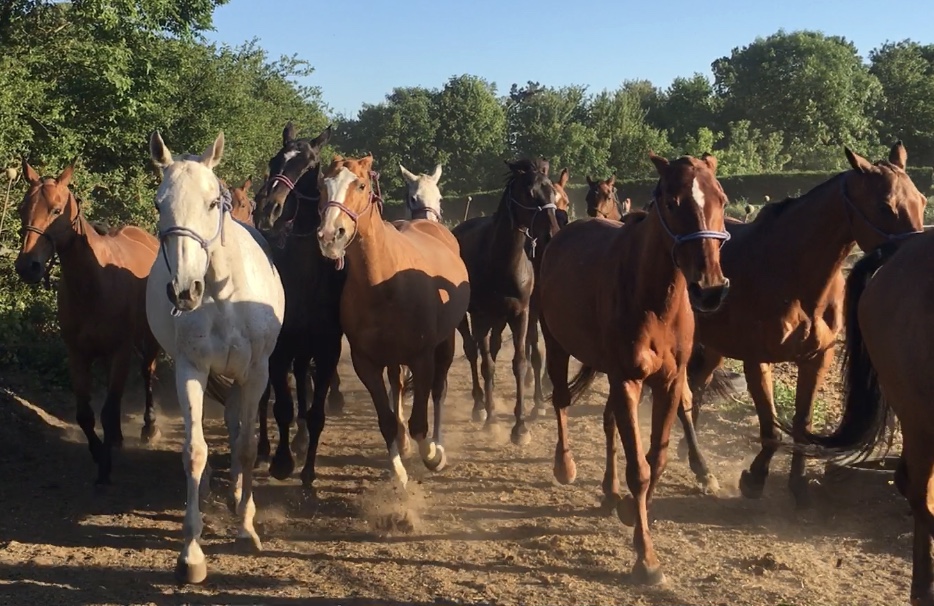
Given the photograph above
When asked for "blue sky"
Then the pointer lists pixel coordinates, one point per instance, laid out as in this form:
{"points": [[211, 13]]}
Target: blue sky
{"points": [[362, 49]]}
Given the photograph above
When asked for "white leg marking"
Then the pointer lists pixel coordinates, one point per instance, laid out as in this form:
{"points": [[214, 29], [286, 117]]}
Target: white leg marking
{"points": [[398, 469], [190, 384]]}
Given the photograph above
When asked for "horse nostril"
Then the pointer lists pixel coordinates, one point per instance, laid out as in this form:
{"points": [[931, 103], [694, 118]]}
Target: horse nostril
{"points": [[197, 289], [341, 231]]}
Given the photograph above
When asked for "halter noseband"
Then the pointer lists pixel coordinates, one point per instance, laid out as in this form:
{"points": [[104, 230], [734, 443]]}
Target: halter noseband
{"points": [[299, 196], [224, 206], [47, 274], [425, 209], [375, 197], [702, 234], [887, 236]]}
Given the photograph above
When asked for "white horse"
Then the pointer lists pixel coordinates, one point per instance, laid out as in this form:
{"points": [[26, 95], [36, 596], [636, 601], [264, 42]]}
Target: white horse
{"points": [[423, 199], [215, 303]]}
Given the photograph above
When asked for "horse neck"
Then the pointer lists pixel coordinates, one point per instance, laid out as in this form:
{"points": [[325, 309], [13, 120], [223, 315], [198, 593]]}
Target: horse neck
{"points": [[222, 278], [821, 235], [369, 260], [657, 285], [80, 258], [307, 217], [508, 241]]}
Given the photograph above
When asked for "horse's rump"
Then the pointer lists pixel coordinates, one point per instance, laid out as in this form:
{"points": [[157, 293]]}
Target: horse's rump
{"points": [[424, 236]]}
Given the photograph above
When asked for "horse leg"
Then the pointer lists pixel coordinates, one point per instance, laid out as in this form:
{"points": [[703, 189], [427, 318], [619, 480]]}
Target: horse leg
{"points": [[918, 472], [535, 357], [759, 381], [811, 373], [150, 433], [470, 352], [482, 328], [611, 497], [565, 470], [667, 401], [117, 373], [394, 373], [335, 397], [282, 463], [79, 369], [633, 511], [699, 378], [708, 482], [325, 368], [190, 382], [423, 379], [496, 344], [300, 370], [263, 449], [444, 357], [244, 451], [232, 407], [519, 326]]}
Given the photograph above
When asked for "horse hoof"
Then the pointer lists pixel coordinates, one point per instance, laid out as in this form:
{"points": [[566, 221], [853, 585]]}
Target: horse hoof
{"points": [[565, 470], [750, 485], [709, 484], [609, 503], [490, 425], [521, 436], [282, 466], [249, 543], [439, 462], [150, 434], [190, 574], [644, 575], [626, 511], [308, 480], [479, 415]]}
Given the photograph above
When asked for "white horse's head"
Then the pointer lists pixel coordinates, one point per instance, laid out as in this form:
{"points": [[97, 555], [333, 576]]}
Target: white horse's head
{"points": [[191, 206], [424, 198]]}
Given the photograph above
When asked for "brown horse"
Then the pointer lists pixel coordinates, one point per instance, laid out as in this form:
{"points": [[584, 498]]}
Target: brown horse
{"points": [[242, 202], [101, 301], [786, 304], [502, 279], [636, 327], [888, 359], [406, 291], [602, 200]]}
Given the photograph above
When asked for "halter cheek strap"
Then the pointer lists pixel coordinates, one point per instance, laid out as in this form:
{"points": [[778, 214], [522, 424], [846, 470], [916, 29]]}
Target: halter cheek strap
{"points": [[535, 210], [885, 235], [702, 234]]}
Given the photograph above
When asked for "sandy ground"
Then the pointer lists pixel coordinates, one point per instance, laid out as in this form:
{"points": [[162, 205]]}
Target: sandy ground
{"points": [[493, 527]]}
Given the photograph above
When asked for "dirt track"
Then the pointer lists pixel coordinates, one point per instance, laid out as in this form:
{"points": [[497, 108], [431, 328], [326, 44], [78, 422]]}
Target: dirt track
{"points": [[494, 528]]}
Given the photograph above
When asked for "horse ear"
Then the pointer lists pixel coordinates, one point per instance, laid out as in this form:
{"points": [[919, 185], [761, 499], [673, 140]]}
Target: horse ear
{"points": [[859, 163], [322, 139], [248, 184], [30, 173], [407, 175], [436, 176], [563, 178], [589, 181], [288, 133], [367, 162], [611, 181], [64, 178], [661, 164], [710, 161], [215, 151], [898, 155], [159, 151]]}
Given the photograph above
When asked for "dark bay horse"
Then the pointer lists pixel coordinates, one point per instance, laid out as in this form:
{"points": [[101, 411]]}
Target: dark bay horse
{"points": [[502, 279], [619, 298], [889, 353], [101, 301], [786, 303], [407, 290], [311, 329], [602, 200]]}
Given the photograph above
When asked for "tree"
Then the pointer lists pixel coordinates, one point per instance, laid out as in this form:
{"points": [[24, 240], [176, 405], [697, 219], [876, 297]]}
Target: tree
{"points": [[687, 106], [619, 122], [812, 87], [906, 111], [472, 134]]}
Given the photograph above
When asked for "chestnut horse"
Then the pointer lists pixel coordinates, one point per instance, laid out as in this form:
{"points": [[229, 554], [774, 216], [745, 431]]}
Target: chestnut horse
{"points": [[243, 205], [502, 279], [311, 329], [602, 200], [888, 359], [786, 304], [636, 327], [407, 289], [101, 301]]}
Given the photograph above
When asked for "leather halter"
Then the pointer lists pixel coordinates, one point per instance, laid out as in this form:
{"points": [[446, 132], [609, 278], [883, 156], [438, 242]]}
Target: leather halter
{"points": [[47, 274], [887, 236]]}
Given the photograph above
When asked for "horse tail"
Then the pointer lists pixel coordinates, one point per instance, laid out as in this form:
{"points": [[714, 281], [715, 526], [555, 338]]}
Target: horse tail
{"points": [[864, 408], [218, 387], [581, 382], [722, 382]]}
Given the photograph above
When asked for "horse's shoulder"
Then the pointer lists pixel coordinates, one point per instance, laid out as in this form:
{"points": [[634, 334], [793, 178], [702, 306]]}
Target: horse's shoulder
{"points": [[259, 238]]}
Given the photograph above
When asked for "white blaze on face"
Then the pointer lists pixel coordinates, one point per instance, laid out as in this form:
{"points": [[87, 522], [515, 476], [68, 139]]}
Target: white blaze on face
{"points": [[290, 154], [698, 194], [337, 187]]}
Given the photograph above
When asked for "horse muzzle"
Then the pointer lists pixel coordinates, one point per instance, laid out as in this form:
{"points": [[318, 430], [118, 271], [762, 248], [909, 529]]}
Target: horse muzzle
{"points": [[708, 299], [29, 269], [187, 299]]}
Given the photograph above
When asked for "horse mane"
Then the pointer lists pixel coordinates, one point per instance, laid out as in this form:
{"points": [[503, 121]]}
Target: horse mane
{"points": [[634, 216], [774, 210]]}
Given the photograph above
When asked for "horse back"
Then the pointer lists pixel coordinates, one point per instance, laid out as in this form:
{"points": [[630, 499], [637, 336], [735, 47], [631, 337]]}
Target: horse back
{"points": [[128, 247]]}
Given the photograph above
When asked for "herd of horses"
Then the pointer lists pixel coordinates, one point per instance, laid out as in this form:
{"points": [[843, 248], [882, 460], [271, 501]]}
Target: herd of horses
{"points": [[243, 290]]}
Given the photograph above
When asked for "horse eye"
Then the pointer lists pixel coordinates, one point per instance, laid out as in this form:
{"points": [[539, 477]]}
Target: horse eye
{"points": [[362, 186], [56, 211], [213, 205]]}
